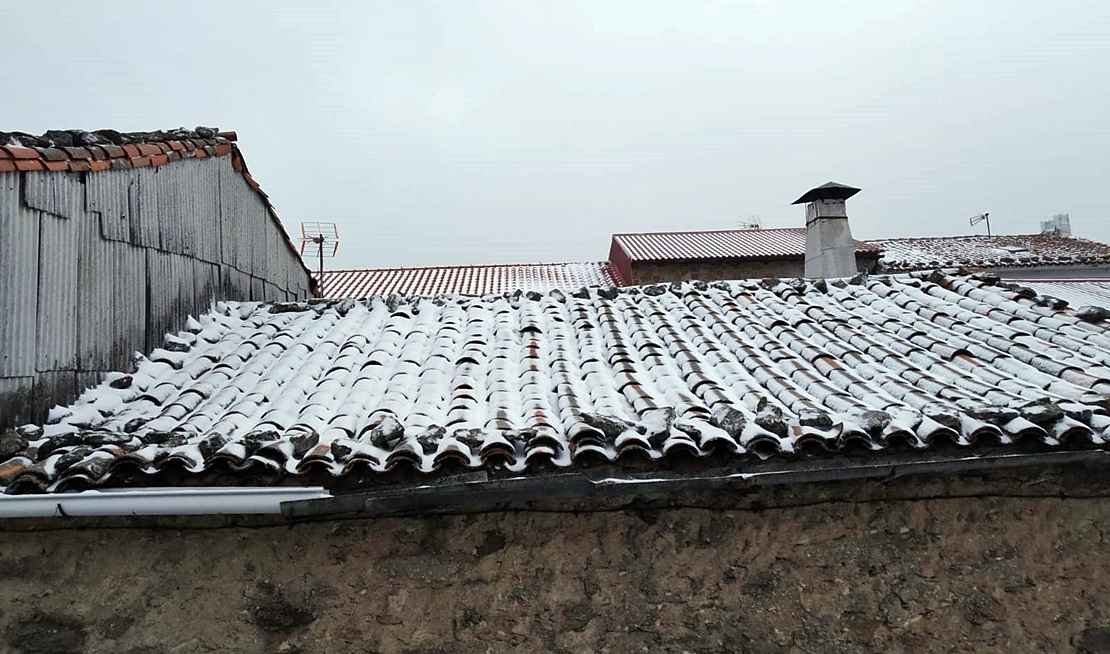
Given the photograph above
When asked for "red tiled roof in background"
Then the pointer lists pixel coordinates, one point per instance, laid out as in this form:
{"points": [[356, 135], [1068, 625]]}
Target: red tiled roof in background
{"points": [[108, 149], [1016, 251], [722, 244], [497, 279]]}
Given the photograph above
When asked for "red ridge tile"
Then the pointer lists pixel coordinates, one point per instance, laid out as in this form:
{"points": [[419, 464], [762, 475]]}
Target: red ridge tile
{"points": [[29, 164], [132, 151], [22, 153], [148, 149], [80, 165], [140, 162], [158, 159]]}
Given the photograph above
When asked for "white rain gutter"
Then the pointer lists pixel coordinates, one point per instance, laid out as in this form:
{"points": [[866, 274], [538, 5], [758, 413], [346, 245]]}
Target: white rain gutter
{"points": [[156, 501]]}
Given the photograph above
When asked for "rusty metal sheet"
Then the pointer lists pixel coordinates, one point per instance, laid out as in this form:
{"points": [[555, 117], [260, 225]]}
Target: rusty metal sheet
{"points": [[110, 194], [19, 270], [172, 294], [58, 193], [57, 293]]}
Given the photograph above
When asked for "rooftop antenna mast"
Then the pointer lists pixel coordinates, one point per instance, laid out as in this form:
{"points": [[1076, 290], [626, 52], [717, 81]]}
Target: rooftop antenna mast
{"points": [[753, 222], [981, 218], [319, 240]]}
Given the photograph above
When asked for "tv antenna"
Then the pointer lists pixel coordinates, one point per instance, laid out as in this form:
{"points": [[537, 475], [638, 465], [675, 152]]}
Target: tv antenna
{"points": [[981, 218], [752, 223], [319, 240]]}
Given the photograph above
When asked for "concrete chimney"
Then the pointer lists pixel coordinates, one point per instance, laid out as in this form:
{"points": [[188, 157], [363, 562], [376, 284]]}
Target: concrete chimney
{"points": [[830, 250]]}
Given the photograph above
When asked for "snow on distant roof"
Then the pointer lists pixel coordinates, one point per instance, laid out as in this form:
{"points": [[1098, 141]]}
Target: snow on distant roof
{"points": [[1076, 292], [495, 279], [733, 371], [993, 252]]}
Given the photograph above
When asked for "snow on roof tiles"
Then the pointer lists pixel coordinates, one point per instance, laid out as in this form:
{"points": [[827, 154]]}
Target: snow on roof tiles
{"points": [[739, 370], [496, 279], [724, 244], [1076, 292], [909, 254]]}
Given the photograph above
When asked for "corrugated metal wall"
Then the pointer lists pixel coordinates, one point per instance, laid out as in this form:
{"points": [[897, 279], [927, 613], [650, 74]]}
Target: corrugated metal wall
{"points": [[96, 266]]}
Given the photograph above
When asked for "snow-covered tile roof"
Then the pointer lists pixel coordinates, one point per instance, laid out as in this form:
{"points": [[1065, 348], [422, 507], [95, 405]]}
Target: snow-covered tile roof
{"points": [[735, 371], [992, 252], [496, 279], [1076, 292]]}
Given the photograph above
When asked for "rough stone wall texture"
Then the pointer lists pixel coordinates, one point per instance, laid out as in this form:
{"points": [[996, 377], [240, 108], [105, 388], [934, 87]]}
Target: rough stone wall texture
{"points": [[955, 574], [711, 271]]}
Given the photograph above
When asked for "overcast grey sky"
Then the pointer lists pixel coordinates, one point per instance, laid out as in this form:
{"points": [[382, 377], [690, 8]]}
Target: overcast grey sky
{"points": [[513, 131]]}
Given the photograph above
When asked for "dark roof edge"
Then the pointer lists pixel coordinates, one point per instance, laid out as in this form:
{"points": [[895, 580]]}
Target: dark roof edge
{"points": [[479, 492]]}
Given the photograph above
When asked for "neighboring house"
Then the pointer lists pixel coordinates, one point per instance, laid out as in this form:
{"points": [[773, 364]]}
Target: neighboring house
{"points": [[1032, 256], [109, 240], [664, 257], [496, 279]]}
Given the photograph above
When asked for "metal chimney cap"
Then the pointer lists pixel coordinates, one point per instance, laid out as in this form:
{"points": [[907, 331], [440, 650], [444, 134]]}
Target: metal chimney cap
{"points": [[830, 191]]}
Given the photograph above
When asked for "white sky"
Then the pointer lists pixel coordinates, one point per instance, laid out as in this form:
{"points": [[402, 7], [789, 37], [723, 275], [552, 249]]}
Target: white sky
{"points": [[513, 131]]}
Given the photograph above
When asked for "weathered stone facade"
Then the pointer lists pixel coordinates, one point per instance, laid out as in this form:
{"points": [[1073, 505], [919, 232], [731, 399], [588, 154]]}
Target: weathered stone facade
{"points": [[711, 271], [907, 566]]}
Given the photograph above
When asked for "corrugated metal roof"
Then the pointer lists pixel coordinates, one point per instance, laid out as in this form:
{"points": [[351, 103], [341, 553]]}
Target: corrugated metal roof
{"points": [[1012, 251], [723, 244], [495, 279], [1076, 292]]}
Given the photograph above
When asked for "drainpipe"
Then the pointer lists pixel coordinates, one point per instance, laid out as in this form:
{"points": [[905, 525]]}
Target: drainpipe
{"points": [[156, 501]]}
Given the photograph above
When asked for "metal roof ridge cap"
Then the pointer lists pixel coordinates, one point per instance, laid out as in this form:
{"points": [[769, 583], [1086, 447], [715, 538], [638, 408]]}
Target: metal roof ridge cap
{"points": [[475, 265], [710, 231]]}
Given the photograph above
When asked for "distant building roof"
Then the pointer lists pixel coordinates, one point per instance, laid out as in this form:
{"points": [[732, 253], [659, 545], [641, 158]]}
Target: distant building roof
{"points": [[732, 373], [991, 252], [1076, 292], [496, 279], [721, 244]]}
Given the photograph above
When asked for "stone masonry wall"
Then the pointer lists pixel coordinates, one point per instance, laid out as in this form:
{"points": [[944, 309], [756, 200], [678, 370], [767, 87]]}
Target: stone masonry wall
{"points": [[969, 570]]}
